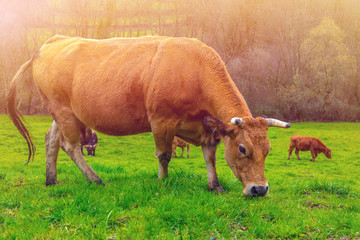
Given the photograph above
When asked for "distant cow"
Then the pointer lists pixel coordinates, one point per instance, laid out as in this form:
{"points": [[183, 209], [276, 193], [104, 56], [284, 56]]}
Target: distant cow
{"points": [[178, 142], [302, 143], [89, 141], [165, 85]]}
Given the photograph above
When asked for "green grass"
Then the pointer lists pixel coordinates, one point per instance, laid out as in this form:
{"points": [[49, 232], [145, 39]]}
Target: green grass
{"points": [[307, 200]]}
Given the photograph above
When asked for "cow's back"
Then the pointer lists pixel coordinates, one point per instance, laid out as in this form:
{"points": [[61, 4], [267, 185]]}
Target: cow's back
{"points": [[305, 143], [101, 80], [302, 143], [118, 86]]}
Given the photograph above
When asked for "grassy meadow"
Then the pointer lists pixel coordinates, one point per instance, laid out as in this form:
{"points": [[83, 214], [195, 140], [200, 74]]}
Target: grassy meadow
{"points": [[307, 200]]}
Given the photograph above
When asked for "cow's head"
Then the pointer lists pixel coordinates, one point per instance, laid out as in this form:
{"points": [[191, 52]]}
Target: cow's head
{"points": [[90, 149], [246, 147], [327, 153]]}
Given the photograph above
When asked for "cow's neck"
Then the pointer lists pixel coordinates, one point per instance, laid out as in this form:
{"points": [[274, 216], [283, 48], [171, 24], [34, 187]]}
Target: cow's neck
{"points": [[229, 103]]}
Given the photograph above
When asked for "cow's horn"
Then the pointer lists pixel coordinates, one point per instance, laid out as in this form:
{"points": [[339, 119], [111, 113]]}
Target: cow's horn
{"points": [[236, 121], [277, 123]]}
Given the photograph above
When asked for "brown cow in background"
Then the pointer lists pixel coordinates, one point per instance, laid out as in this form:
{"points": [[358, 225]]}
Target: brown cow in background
{"points": [[302, 143], [89, 141], [178, 142]]}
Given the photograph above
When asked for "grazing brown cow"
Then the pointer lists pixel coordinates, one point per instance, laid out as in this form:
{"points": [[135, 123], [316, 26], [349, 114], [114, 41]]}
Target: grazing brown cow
{"points": [[89, 141], [170, 86], [178, 142], [302, 143]]}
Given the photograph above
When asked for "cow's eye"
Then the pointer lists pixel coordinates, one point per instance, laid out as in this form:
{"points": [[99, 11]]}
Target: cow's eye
{"points": [[242, 149]]}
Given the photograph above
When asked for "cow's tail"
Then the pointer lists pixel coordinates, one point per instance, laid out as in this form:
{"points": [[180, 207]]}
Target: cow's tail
{"points": [[14, 113]]}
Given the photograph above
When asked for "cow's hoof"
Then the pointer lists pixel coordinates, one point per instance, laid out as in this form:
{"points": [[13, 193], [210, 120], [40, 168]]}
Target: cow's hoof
{"points": [[100, 182], [51, 182], [217, 190]]}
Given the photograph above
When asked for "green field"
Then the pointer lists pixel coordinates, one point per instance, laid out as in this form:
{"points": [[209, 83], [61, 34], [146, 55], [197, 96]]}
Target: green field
{"points": [[307, 200]]}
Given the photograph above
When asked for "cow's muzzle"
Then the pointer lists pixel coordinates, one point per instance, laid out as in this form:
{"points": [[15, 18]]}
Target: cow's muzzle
{"points": [[256, 191]]}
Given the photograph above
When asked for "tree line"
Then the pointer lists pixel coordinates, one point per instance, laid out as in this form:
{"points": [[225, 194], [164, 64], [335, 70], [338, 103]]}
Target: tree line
{"points": [[294, 60]]}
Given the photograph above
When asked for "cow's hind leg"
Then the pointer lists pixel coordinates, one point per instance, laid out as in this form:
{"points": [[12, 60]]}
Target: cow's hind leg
{"points": [[291, 148], [297, 153], [210, 159], [182, 151], [313, 156], [52, 140], [70, 142], [188, 150], [73, 151]]}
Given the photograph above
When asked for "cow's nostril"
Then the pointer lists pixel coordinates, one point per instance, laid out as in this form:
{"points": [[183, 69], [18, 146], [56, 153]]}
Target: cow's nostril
{"points": [[253, 191], [259, 190]]}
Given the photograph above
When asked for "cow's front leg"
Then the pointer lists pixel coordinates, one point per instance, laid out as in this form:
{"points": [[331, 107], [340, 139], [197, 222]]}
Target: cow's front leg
{"points": [[210, 159], [164, 160], [52, 141], [164, 133]]}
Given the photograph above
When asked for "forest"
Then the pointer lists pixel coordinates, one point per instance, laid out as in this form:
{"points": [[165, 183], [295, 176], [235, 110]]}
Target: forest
{"points": [[297, 60]]}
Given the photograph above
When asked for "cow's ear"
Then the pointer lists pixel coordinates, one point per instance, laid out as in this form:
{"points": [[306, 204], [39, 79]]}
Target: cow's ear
{"points": [[216, 126]]}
